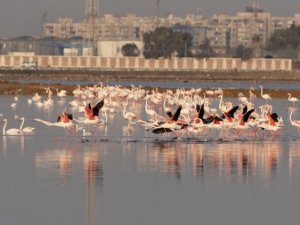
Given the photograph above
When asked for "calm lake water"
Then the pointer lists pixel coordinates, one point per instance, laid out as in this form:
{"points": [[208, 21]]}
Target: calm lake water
{"points": [[137, 179]]}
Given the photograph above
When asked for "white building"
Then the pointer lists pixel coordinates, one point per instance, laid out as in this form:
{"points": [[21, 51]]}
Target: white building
{"points": [[113, 48]]}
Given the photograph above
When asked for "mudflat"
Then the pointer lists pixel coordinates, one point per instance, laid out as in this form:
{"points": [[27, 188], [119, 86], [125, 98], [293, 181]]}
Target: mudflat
{"points": [[11, 80]]}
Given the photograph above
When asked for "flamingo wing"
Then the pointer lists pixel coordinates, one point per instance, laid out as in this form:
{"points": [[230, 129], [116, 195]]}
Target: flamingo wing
{"points": [[232, 111], [245, 109], [98, 107], [208, 120], [177, 113], [274, 117], [170, 114], [247, 115], [201, 112], [70, 116], [198, 107], [161, 130]]}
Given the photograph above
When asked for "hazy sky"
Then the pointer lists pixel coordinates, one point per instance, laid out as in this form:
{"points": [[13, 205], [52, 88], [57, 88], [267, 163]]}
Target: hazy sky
{"points": [[23, 17]]}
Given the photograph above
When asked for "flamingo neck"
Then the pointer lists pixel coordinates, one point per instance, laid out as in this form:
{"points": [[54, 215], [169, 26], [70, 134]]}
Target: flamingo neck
{"points": [[165, 99], [124, 110], [221, 101], [146, 103], [105, 116], [22, 123], [4, 128], [291, 116]]}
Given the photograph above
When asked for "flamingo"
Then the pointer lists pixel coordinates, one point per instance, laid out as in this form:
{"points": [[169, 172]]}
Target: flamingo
{"points": [[55, 124], [11, 131], [295, 123], [150, 112], [166, 109], [264, 96], [36, 97], [170, 124], [92, 112], [61, 93], [128, 115], [292, 99], [65, 117], [25, 129]]}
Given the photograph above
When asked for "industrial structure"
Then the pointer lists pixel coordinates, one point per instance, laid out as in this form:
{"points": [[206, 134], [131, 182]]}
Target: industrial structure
{"points": [[91, 14]]}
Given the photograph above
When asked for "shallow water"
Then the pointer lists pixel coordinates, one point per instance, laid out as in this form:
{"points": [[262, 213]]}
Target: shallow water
{"points": [[140, 178]]}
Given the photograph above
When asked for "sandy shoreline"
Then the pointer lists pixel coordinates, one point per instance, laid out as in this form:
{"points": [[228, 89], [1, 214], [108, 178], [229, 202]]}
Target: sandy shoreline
{"points": [[9, 80]]}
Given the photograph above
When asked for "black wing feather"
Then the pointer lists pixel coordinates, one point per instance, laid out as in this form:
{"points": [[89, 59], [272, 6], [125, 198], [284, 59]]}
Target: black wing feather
{"points": [[247, 115], [98, 107], [170, 114], [274, 116], [201, 112], [70, 116], [198, 107], [231, 112], [161, 130], [245, 109], [177, 113]]}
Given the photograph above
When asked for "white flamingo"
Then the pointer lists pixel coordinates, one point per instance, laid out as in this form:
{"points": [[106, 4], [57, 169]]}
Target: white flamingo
{"points": [[128, 115], [25, 129], [295, 123], [61, 93], [11, 131], [150, 112], [264, 96], [292, 99]]}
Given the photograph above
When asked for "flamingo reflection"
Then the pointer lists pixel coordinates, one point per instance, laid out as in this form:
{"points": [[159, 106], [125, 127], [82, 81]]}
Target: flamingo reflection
{"points": [[241, 160]]}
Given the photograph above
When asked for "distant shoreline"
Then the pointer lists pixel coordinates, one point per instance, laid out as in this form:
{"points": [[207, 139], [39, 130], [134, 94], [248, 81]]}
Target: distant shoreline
{"points": [[9, 78], [146, 75]]}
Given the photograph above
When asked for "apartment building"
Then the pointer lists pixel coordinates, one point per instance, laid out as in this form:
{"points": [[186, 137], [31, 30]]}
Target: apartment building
{"points": [[225, 32]]}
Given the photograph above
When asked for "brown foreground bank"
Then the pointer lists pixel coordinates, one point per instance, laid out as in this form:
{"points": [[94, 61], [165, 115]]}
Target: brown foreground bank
{"points": [[9, 79]]}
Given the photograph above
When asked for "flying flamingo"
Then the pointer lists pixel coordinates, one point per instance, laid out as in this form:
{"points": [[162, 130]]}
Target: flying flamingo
{"points": [[55, 124], [92, 112]]}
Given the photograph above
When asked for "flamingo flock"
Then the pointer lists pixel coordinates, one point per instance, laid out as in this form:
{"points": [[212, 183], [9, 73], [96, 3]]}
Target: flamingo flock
{"points": [[191, 114]]}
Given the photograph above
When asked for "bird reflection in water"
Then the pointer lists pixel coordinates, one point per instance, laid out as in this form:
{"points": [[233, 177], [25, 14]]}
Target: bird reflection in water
{"points": [[166, 157], [294, 158], [92, 167], [18, 141], [243, 161], [50, 162], [4, 145], [93, 173]]}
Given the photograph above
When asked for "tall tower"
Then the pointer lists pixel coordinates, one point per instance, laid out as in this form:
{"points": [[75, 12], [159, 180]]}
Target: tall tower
{"points": [[91, 13], [158, 12], [91, 8]]}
